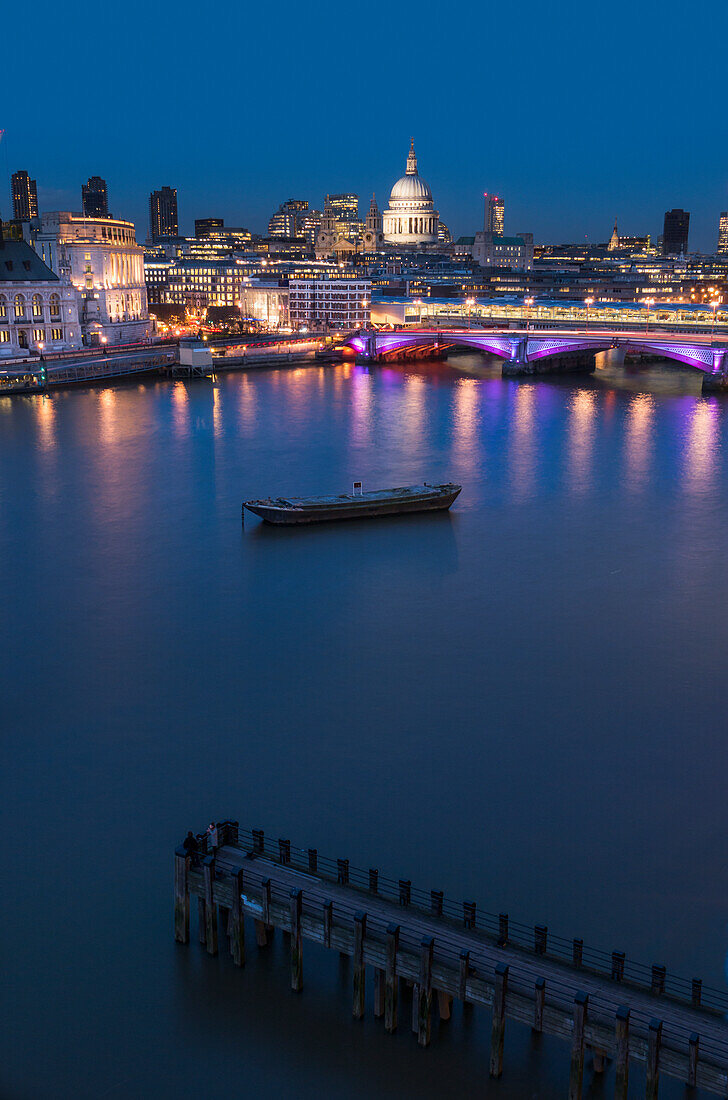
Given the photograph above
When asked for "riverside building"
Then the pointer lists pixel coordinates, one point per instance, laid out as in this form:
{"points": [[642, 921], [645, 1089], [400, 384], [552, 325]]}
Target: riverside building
{"points": [[324, 304], [38, 307]]}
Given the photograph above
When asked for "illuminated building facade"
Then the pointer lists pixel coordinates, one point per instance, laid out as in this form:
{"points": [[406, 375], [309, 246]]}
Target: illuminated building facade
{"points": [[491, 250], [25, 196], [324, 304], [104, 263], [38, 308], [411, 218], [266, 302], [163, 216], [95, 198], [494, 215], [288, 219], [723, 233]]}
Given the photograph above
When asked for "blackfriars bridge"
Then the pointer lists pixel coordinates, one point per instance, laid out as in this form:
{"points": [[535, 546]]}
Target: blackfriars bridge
{"points": [[526, 353]]}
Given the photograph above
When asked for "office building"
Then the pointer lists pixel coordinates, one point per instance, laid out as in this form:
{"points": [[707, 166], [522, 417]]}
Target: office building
{"points": [[723, 233], [25, 196], [325, 304], [208, 227], [163, 221], [494, 214], [345, 208], [675, 233], [287, 221], [94, 198]]}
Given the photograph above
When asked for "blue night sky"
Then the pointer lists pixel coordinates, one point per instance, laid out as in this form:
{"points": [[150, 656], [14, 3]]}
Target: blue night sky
{"points": [[573, 112]]}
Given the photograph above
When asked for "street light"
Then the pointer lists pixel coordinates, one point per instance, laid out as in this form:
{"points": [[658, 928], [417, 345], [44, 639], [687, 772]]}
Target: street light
{"points": [[588, 302], [103, 341], [648, 302], [40, 348], [470, 302], [528, 302], [713, 305]]}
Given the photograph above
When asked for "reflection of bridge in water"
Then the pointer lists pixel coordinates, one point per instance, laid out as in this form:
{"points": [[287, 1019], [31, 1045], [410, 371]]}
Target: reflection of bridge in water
{"points": [[527, 353]]}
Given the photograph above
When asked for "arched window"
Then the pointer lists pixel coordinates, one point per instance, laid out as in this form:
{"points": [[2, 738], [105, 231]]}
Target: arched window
{"points": [[3, 308], [55, 306], [19, 305], [37, 305]]}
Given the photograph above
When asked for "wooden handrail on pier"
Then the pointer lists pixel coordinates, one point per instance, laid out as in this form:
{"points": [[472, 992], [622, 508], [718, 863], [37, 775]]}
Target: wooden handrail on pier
{"points": [[387, 928]]}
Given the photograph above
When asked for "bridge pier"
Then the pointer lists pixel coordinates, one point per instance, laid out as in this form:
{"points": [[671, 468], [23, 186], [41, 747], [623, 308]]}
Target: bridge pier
{"points": [[716, 382], [582, 362]]}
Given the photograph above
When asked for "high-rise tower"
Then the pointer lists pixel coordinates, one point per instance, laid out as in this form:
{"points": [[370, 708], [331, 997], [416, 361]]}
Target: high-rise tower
{"points": [[94, 198], [25, 196], [163, 214]]}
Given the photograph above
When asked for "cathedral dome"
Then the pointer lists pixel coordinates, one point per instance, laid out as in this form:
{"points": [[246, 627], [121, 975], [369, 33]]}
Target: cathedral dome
{"points": [[411, 188]]}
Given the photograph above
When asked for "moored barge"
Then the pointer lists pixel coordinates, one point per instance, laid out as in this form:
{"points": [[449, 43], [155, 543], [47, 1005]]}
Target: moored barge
{"points": [[379, 502]]}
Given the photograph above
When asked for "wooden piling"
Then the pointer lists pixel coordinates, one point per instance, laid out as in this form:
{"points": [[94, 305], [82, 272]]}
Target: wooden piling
{"points": [[208, 866], [497, 1034], [313, 861], [463, 977], [581, 1002], [654, 1042], [405, 891], [236, 927], [360, 931], [538, 1003], [469, 914], [618, 958], [693, 1056], [437, 898], [598, 1057], [379, 985], [258, 841], [621, 1084], [181, 896], [284, 851], [697, 992], [502, 929], [328, 909], [658, 980], [373, 880], [577, 953], [201, 919], [390, 978], [444, 1004], [342, 871], [540, 939], [265, 901], [424, 1014], [296, 907]]}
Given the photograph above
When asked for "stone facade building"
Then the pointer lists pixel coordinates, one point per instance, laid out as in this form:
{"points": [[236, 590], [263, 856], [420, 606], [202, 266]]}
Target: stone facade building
{"points": [[411, 218], [38, 308]]}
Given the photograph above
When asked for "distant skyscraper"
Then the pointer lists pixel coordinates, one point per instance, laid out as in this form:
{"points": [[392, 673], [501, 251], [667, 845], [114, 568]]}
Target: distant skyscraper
{"points": [[494, 214], [723, 232], [208, 227], [25, 196], [163, 214], [346, 210], [94, 198], [675, 233], [288, 218]]}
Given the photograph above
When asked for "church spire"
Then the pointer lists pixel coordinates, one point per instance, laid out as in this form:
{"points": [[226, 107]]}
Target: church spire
{"points": [[614, 240], [412, 159]]}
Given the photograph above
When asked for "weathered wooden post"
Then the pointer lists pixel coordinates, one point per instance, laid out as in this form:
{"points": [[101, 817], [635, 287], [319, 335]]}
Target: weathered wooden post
{"points": [[577, 953], [258, 841], [262, 928], [373, 880], [284, 851], [296, 906], [469, 914], [313, 861], [390, 978], [502, 929], [378, 993], [693, 1055], [201, 918], [181, 896], [657, 985], [237, 922], [654, 1042], [464, 971], [328, 908], [405, 891], [424, 1008], [360, 931], [444, 1004], [697, 992], [208, 866], [581, 1002], [539, 998], [498, 1030], [342, 875], [437, 898], [618, 958], [621, 1083], [540, 939]]}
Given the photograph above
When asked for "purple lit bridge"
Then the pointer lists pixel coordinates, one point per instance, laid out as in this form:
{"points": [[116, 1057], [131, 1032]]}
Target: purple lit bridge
{"points": [[529, 353]]}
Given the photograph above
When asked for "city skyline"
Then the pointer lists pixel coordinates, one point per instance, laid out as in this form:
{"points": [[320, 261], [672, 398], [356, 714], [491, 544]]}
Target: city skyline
{"points": [[565, 170]]}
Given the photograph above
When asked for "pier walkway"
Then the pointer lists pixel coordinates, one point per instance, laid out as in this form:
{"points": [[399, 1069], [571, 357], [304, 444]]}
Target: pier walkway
{"points": [[594, 1000]]}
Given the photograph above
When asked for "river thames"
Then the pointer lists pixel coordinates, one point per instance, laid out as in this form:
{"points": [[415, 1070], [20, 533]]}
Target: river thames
{"points": [[519, 702]]}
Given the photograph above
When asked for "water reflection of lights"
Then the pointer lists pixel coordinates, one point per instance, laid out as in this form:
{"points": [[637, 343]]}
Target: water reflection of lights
{"points": [[216, 412], [638, 441], [361, 407], [108, 424], [465, 423], [523, 443], [701, 446], [180, 408], [580, 440], [46, 416]]}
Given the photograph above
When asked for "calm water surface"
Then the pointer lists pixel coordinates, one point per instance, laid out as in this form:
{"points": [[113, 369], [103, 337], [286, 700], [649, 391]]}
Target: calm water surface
{"points": [[520, 702]]}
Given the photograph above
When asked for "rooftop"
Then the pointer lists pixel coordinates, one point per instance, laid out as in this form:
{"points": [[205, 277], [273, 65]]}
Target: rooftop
{"points": [[20, 264]]}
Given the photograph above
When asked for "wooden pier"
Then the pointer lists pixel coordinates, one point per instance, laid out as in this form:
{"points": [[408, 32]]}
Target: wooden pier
{"points": [[599, 1003]]}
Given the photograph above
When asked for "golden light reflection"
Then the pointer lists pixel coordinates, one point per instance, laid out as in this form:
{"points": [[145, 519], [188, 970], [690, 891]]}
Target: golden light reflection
{"points": [[639, 441], [580, 440], [180, 409], [108, 422], [216, 413], [46, 416], [523, 451], [361, 407], [247, 405], [466, 421], [700, 448]]}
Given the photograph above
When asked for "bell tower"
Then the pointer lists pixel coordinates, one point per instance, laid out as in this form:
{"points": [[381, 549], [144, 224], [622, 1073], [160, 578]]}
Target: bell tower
{"points": [[373, 239]]}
